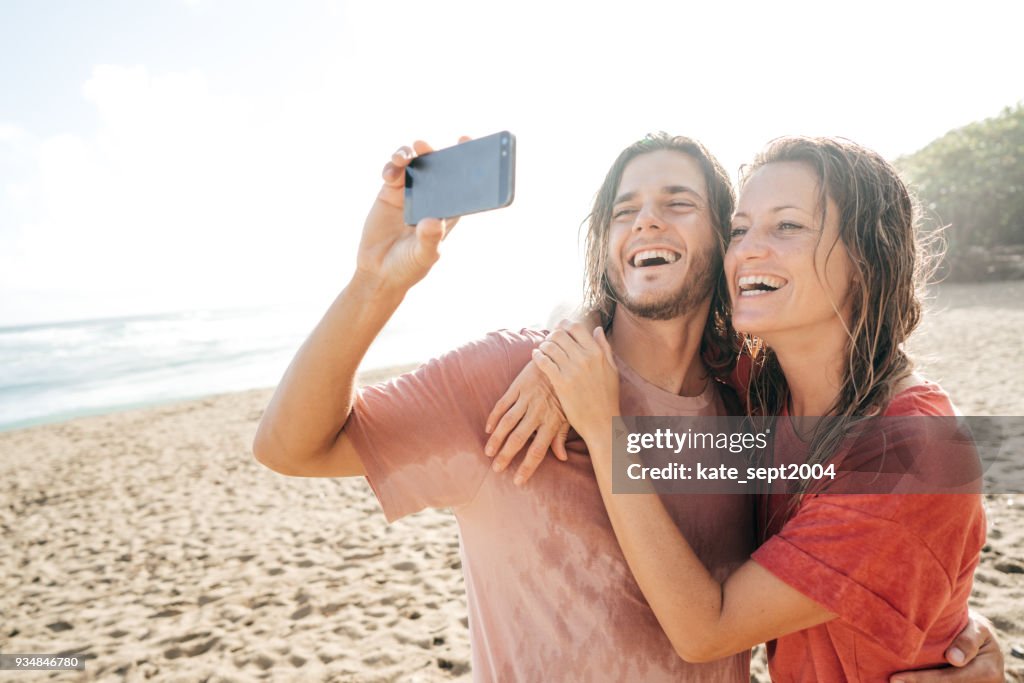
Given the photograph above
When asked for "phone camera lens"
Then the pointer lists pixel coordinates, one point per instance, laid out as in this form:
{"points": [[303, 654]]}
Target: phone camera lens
{"points": [[504, 152], [504, 142]]}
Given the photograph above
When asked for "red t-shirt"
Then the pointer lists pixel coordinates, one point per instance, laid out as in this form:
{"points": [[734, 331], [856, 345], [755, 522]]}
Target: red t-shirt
{"points": [[897, 569]]}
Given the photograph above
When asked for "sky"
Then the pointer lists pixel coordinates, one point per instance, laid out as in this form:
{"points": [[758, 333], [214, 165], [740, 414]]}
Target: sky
{"points": [[188, 154]]}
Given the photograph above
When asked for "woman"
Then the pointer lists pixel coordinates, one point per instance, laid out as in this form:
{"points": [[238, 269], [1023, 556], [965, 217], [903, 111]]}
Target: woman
{"points": [[822, 270]]}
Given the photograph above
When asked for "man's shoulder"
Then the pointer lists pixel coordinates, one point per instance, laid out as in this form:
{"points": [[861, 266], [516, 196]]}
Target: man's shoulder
{"points": [[525, 336], [484, 365], [506, 347]]}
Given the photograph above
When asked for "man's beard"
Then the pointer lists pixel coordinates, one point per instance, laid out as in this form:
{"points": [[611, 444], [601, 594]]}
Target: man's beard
{"points": [[694, 292]]}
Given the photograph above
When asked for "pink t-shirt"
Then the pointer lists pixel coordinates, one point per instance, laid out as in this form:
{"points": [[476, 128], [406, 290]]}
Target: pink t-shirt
{"points": [[550, 595], [897, 569]]}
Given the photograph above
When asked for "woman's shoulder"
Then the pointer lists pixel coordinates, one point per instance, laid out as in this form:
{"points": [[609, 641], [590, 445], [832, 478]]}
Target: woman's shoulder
{"points": [[915, 395]]}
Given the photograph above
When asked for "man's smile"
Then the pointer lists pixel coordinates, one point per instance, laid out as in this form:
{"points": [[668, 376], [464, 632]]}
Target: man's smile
{"points": [[652, 256]]}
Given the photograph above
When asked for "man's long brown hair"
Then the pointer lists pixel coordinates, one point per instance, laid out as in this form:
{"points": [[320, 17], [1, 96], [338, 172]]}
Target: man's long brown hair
{"points": [[878, 228], [598, 294]]}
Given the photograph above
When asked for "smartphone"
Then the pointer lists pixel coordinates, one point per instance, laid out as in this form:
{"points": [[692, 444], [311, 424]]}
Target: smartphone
{"points": [[474, 176]]}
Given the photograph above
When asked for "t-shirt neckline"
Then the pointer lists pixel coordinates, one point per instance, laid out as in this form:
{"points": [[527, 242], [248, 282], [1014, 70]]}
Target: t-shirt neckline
{"points": [[676, 402]]}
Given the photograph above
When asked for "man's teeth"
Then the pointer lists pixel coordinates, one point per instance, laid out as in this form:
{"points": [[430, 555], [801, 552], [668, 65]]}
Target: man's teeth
{"points": [[643, 257], [757, 285]]}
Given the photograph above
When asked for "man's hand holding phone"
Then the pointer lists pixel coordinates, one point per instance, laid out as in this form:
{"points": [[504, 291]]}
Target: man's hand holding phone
{"points": [[393, 255]]}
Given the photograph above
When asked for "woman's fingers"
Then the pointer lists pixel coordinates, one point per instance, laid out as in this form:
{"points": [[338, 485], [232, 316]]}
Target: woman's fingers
{"points": [[506, 424], [527, 409], [530, 423], [548, 367], [602, 343], [581, 335], [569, 350], [507, 400], [555, 352], [536, 452], [558, 443]]}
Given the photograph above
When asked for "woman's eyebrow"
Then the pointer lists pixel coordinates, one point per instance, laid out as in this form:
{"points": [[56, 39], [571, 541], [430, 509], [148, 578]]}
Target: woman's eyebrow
{"points": [[774, 209]]}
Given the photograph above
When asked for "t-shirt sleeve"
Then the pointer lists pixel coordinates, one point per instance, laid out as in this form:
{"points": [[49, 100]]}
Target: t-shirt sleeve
{"points": [[886, 564], [420, 436]]}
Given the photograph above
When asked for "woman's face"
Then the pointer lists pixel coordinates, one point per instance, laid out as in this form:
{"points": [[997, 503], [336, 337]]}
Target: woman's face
{"points": [[787, 272]]}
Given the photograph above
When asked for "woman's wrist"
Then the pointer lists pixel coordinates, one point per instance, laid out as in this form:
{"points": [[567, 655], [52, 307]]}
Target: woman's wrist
{"points": [[597, 430]]}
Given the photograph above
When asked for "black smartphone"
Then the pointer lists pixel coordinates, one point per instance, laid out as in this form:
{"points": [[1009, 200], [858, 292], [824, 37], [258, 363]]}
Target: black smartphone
{"points": [[474, 176]]}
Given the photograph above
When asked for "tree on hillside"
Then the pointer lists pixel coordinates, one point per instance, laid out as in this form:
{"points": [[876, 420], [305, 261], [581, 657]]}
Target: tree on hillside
{"points": [[972, 179]]}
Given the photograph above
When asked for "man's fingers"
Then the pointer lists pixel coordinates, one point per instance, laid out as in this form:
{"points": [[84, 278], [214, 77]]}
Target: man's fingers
{"points": [[402, 156], [449, 225], [393, 175], [962, 650], [987, 667], [505, 425], [972, 638], [422, 147], [429, 233], [949, 675], [464, 138], [977, 672]]}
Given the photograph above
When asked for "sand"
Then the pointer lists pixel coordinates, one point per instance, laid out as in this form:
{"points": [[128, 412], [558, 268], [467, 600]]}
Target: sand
{"points": [[152, 543]]}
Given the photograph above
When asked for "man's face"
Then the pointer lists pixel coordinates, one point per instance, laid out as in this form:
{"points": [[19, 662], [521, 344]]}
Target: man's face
{"points": [[662, 257]]}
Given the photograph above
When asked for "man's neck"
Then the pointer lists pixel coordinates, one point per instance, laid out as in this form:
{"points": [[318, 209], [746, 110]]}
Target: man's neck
{"points": [[666, 353]]}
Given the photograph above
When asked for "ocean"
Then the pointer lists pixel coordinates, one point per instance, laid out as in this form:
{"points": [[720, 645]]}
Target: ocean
{"points": [[56, 371]]}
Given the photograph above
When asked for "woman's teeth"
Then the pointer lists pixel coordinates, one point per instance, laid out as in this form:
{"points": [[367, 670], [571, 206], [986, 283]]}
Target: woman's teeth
{"points": [[757, 285]]}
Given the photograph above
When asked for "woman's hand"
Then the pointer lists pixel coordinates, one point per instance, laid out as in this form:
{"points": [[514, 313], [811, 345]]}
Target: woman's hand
{"points": [[529, 406], [581, 367]]}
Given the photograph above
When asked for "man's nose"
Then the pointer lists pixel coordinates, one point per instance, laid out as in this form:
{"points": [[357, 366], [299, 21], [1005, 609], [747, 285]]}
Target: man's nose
{"points": [[646, 218]]}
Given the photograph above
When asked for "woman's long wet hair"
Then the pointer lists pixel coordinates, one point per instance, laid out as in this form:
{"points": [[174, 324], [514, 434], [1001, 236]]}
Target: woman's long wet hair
{"points": [[889, 265]]}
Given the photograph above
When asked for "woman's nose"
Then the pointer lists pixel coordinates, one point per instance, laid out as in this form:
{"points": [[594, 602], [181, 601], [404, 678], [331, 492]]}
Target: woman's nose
{"points": [[749, 245]]}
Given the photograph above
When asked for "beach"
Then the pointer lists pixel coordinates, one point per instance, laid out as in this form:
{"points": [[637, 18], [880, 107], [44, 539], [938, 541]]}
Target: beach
{"points": [[151, 543]]}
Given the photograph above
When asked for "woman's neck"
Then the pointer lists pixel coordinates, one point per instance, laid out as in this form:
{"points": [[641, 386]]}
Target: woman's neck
{"points": [[813, 364]]}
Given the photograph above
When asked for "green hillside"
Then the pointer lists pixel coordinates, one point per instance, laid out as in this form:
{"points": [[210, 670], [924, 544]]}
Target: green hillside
{"points": [[972, 180]]}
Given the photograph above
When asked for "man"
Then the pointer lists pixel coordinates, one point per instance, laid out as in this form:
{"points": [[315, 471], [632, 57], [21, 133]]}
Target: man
{"points": [[550, 595]]}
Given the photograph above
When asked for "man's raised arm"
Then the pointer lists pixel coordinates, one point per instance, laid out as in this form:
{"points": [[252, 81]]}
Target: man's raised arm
{"points": [[301, 431]]}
